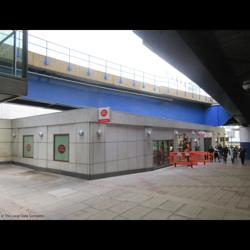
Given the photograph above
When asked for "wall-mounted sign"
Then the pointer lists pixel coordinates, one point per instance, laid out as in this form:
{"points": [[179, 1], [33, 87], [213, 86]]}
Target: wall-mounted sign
{"points": [[104, 115], [28, 141], [61, 147], [208, 134], [201, 133]]}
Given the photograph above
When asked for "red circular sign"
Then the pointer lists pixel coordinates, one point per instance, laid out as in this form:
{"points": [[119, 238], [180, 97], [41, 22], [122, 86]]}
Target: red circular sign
{"points": [[61, 148], [104, 112], [28, 147]]}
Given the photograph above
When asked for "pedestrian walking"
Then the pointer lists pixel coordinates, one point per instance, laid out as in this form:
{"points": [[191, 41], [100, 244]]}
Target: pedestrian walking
{"points": [[216, 155], [231, 153], [225, 153], [242, 155]]}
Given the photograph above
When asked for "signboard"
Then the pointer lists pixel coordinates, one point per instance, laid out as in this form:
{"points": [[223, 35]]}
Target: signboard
{"points": [[208, 134], [201, 133], [61, 147], [28, 144], [104, 115]]}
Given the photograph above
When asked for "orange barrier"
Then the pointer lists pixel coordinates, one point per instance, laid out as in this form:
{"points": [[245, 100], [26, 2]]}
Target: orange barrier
{"points": [[201, 156], [181, 158], [189, 158]]}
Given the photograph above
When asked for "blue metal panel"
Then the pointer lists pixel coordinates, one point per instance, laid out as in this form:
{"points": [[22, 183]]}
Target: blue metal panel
{"points": [[216, 115], [55, 91], [246, 145]]}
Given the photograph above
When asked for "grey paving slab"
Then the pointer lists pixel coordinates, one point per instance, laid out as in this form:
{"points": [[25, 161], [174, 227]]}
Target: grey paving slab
{"points": [[62, 192], [95, 199], [122, 207], [211, 214], [206, 192], [244, 203], [189, 211], [82, 214], [102, 215], [136, 213], [67, 210], [171, 206], [155, 201], [119, 218], [178, 217], [105, 204], [157, 214], [236, 216]]}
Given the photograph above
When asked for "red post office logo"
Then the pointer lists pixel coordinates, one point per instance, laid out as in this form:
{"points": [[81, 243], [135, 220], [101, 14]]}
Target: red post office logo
{"points": [[28, 147], [61, 148], [104, 112]]}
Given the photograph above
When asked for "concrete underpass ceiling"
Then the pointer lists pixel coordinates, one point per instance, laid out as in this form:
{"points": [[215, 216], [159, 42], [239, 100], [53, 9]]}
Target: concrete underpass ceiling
{"points": [[217, 60]]}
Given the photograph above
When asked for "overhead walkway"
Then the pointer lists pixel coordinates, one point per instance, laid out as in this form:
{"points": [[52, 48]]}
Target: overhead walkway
{"points": [[60, 77], [51, 57]]}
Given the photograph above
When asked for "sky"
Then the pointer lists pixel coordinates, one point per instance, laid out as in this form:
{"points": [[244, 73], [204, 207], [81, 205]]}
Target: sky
{"points": [[120, 46]]}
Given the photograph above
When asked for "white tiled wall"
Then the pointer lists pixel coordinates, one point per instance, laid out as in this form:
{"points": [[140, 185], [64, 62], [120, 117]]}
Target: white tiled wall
{"points": [[123, 147], [5, 140], [44, 147], [120, 147]]}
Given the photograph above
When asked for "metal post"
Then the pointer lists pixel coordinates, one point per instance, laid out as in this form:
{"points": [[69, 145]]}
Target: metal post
{"points": [[69, 65], [105, 69], [120, 80], [18, 47], [154, 84], [134, 78], [46, 60], [177, 86], [143, 85], [88, 70], [14, 55], [168, 83], [25, 54]]}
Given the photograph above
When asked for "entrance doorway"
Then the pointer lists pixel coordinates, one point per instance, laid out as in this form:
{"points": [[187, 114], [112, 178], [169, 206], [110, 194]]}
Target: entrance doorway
{"points": [[207, 143], [161, 149]]}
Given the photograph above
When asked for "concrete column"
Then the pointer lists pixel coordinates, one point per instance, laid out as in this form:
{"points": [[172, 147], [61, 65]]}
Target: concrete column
{"points": [[175, 140], [213, 141], [5, 140], [245, 140], [201, 143]]}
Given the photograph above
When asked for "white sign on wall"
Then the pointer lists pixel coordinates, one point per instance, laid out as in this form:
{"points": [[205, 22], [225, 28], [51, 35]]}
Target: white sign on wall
{"points": [[201, 133], [208, 134], [104, 115]]}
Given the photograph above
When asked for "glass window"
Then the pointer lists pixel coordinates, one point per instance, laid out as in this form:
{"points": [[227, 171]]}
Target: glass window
{"points": [[161, 150], [11, 53]]}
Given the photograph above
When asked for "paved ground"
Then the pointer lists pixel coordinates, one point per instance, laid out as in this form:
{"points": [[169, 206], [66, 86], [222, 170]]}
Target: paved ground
{"points": [[215, 191]]}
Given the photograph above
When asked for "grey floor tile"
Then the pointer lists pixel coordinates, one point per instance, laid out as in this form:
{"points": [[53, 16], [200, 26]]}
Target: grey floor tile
{"points": [[157, 214], [136, 213]]}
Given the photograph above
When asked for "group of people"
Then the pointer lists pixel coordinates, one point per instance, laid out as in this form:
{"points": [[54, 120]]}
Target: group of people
{"points": [[220, 152]]}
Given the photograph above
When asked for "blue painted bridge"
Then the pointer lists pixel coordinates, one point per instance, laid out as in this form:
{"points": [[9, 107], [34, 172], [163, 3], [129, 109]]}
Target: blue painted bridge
{"points": [[47, 89]]}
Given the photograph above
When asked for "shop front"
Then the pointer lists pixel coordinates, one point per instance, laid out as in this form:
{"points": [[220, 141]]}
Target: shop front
{"points": [[161, 149]]}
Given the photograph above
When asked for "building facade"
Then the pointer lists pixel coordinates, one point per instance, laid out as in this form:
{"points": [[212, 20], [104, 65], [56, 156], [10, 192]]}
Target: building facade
{"points": [[75, 143]]}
